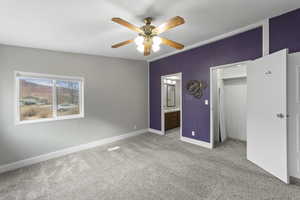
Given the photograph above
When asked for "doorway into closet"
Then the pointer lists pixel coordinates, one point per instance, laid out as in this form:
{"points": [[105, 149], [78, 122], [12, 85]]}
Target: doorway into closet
{"points": [[228, 100]]}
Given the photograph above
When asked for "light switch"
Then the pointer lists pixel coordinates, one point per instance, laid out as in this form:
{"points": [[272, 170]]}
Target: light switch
{"points": [[206, 102]]}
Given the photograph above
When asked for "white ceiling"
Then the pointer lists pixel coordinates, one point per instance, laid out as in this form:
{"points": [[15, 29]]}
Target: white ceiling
{"points": [[84, 26]]}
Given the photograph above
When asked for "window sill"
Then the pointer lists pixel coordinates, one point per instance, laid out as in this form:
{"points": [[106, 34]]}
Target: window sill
{"points": [[50, 119]]}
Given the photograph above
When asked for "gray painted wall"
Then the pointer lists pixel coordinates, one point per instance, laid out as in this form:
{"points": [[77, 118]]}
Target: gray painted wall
{"points": [[116, 99]]}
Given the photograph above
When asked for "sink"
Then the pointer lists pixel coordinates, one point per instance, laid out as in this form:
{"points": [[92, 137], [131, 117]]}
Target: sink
{"points": [[167, 110]]}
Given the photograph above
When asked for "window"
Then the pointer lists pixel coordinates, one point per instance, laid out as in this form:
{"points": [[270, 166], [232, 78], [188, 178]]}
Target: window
{"points": [[43, 97]]}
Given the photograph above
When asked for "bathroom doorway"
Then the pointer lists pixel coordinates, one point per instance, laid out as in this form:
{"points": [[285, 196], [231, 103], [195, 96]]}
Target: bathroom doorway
{"points": [[171, 105]]}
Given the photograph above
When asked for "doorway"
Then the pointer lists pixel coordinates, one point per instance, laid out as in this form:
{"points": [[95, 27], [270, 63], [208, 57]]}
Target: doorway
{"points": [[262, 121], [228, 98], [171, 105]]}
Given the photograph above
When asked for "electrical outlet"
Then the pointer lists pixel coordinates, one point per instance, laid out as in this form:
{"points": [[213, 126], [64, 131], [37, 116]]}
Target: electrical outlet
{"points": [[206, 102], [134, 127], [193, 133]]}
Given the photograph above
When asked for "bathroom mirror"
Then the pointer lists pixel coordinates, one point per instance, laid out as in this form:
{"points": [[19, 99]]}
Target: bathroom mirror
{"points": [[171, 96]]}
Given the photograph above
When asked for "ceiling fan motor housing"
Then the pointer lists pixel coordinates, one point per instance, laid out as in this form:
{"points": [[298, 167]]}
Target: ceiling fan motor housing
{"points": [[148, 20]]}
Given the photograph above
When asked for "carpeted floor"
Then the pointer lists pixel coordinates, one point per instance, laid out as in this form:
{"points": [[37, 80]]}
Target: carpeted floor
{"points": [[146, 167]]}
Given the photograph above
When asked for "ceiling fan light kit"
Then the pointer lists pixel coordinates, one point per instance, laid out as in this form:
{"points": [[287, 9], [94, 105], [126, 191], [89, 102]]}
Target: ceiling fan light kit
{"points": [[148, 38], [139, 41], [140, 48]]}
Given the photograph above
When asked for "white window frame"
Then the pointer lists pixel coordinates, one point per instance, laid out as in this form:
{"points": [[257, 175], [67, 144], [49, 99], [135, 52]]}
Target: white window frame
{"points": [[19, 74]]}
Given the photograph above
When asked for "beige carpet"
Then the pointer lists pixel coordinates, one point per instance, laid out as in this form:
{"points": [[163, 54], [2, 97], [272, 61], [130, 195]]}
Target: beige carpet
{"points": [[147, 167]]}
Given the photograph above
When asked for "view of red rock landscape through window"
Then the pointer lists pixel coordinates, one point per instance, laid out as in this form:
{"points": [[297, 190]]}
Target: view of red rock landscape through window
{"points": [[67, 98], [36, 98]]}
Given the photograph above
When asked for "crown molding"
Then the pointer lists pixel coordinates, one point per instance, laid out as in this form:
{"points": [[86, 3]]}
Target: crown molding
{"points": [[214, 39]]}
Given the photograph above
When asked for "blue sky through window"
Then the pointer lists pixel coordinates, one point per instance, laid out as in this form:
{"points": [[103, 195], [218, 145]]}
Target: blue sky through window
{"points": [[68, 84], [44, 82], [47, 82]]}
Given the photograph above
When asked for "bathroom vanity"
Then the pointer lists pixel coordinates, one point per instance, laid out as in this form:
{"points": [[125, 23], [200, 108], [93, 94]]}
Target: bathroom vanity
{"points": [[172, 118]]}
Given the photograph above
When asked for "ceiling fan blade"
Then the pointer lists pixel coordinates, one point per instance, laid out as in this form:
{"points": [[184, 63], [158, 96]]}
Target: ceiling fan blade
{"points": [[121, 44], [127, 24], [175, 21], [171, 43], [147, 49]]}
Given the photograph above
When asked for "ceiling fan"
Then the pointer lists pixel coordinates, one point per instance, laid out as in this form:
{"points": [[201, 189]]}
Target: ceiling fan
{"points": [[148, 38]]}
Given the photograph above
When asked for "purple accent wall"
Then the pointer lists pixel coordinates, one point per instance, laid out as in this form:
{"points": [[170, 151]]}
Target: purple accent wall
{"points": [[194, 65], [285, 32]]}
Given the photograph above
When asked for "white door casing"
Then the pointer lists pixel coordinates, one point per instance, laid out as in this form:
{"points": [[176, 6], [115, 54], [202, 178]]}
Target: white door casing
{"points": [[267, 114], [294, 114], [222, 111], [217, 75]]}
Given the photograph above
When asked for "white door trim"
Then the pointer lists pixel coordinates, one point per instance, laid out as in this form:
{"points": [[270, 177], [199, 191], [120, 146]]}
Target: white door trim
{"points": [[266, 37]]}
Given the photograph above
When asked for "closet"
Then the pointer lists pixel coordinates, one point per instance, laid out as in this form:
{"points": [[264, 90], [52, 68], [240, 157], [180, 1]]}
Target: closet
{"points": [[230, 91], [258, 102]]}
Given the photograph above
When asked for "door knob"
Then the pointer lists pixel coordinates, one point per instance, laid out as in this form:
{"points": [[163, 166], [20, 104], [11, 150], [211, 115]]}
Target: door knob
{"points": [[280, 115]]}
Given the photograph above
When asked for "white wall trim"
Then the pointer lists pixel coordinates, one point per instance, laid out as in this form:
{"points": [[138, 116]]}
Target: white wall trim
{"points": [[67, 151], [162, 113], [266, 37], [214, 39], [230, 65], [298, 85], [298, 134], [197, 142], [151, 130]]}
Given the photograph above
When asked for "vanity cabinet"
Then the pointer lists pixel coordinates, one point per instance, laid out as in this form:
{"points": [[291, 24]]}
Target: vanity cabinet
{"points": [[172, 120]]}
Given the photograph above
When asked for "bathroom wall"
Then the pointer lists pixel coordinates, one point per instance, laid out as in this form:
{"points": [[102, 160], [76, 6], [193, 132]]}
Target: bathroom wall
{"points": [[178, 83], [177, 95]]}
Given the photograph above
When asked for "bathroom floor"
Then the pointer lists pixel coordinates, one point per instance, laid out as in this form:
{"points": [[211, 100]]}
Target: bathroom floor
{"points": [[173, 133]]}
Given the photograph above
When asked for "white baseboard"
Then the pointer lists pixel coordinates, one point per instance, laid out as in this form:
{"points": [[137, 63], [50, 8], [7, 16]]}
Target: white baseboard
{"points": [[196, 142], [70, 150], [155, 131]]}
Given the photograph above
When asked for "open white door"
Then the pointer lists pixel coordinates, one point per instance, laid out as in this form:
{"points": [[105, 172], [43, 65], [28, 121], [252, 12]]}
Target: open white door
{"points": [[267, 114]]}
